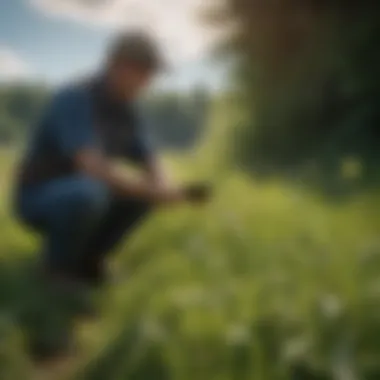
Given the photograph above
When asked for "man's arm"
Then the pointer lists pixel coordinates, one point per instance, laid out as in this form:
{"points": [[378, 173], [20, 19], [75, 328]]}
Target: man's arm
{"points": [[156, 173], [90, 162], [74, 137]]}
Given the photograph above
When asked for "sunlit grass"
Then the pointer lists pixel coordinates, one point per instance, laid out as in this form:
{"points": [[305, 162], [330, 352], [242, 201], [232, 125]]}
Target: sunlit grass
{"points": [[264, 280]]}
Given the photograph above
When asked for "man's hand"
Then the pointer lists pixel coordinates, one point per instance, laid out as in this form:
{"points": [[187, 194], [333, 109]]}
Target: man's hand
{"points": [[168, 196], [166, 191], [196, 193], [157, 174]]}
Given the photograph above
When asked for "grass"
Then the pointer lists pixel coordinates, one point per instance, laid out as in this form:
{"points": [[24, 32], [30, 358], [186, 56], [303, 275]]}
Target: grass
{"points": [[267, 282]]}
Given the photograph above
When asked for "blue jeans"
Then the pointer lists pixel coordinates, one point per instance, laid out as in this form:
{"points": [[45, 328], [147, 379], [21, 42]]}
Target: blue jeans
{"points": [[79, 219]]}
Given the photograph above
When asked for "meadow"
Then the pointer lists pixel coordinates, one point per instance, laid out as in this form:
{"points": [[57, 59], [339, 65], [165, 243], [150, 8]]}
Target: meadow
{"points": [[267, 282]]}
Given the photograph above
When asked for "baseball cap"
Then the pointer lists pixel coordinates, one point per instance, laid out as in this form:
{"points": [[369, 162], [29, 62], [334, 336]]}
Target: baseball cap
{"points": [[137, 47]]}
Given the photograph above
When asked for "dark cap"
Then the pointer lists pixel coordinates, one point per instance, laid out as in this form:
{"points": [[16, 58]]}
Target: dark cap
{"points": [[139, 48]]}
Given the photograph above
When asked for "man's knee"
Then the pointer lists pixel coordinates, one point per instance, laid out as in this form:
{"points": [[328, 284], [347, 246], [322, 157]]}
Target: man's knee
{"points": [[89, 198], [134, 207]]}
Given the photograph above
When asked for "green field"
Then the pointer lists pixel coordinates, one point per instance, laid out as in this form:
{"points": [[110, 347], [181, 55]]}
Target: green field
{"points": [[266, 282]]}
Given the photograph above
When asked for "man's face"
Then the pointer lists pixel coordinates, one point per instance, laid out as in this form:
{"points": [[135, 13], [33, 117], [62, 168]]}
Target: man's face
{"points": [[131, 79]]}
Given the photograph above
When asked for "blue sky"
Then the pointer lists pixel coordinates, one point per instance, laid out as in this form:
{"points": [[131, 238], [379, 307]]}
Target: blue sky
{"points": [[54, 40]]}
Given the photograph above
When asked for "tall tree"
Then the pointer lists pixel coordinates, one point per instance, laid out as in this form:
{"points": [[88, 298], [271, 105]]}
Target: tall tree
{"points": [[311, 75]]}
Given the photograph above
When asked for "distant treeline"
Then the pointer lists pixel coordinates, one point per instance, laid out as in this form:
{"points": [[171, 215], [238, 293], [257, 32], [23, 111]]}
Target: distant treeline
{"points": [[176, 119], [20, 105]]}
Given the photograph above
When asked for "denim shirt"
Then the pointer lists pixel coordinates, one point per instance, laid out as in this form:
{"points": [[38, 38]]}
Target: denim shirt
{"points": [[79, 116]]}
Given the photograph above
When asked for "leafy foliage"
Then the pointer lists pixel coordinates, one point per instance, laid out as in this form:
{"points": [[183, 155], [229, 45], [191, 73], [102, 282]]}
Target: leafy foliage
{"points": [[310, 75]]}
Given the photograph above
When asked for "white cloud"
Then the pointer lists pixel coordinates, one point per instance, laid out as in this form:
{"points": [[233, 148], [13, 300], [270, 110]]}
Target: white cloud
{"points": [[174, 22], [12, 67]]}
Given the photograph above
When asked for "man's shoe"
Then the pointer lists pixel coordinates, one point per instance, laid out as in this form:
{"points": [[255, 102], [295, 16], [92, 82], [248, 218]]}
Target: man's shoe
{"points": [[93, 273], [74, 293], [45, 350]]}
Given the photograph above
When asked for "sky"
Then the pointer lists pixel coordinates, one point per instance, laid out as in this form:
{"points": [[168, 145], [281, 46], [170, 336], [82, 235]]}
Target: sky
{"points": [[55, 40]]}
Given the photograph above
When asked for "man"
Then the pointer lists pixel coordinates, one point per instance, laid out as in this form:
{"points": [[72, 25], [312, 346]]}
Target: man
{"points": [[70, 189]]}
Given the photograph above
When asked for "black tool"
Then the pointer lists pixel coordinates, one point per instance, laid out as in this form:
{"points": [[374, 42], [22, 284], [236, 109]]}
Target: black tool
{"points": [[198, 192]]}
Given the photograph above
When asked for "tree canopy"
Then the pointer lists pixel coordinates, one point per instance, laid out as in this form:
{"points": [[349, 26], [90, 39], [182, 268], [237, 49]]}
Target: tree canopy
{"points": [[310, 74]]}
